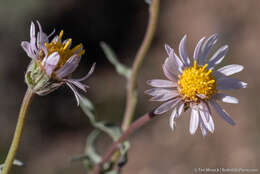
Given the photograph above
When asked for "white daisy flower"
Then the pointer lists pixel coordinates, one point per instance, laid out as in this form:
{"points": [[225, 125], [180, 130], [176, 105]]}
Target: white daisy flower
{"points": [[53, 62], [196, 85]]}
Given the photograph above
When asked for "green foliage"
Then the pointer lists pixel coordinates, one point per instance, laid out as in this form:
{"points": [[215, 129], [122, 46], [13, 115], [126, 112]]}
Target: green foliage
{"points": [[111, 56], [91, 157]]}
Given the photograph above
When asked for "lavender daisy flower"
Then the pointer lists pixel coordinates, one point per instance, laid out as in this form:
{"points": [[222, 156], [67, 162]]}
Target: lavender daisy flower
{"points": [[52, 63], [196, 85]]}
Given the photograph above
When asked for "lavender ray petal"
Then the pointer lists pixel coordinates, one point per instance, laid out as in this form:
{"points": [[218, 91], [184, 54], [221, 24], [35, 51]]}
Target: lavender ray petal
{"points": [[168, 73], [164, 97], [69, 67], [89, 73], [180, 109], [166, 106], [32, 33], [218, 75], [206, 117], [27, 48], [206, 49], [183, 52], [218, 57], [197, 49], [168, 49], [159, 91], [80, 85], [203, 128], [222, 112], [230, 83], [41, 36], [51, 63], [50, 34], [76, 94]]}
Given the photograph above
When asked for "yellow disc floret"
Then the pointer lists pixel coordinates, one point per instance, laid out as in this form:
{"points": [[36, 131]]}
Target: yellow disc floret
{"points": [[197, 83], [63, 49]]}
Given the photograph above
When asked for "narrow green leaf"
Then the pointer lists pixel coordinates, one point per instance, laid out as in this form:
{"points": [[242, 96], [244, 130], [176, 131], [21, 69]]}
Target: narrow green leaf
{"points": [[111, 56], [91, 157], [90, 147]]}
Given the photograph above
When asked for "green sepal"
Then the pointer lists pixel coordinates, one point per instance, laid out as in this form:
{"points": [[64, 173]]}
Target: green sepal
{"points": [[37, 80]]}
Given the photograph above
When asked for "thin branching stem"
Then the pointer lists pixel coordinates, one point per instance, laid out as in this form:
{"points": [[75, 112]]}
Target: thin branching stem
{"points": [[131, 86], [18, 131], [133, 127]]}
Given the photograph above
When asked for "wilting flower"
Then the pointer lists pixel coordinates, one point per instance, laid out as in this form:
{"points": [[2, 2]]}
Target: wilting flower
{"points": [[52, 63], [196, 85]]}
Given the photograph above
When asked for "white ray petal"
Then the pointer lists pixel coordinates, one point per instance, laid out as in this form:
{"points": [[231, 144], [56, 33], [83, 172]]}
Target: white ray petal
{"points": [[194, 121], [230, 69], [171, 121], [161, 83], [226, 98]]}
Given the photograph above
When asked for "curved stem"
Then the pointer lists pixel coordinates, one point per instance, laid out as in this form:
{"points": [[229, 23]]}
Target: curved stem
{"points": [[18, 131], [131, 90], [137, 124]]}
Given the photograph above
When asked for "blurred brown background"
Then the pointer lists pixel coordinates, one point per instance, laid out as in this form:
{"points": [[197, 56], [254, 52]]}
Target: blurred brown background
{"points": [[56, 128]]}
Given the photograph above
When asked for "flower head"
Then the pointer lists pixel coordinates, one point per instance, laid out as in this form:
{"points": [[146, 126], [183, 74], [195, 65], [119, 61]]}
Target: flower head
{"points": [[196, 85], [53, 62]]}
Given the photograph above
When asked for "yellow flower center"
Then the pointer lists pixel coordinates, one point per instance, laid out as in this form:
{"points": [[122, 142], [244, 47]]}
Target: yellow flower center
{"points": [[197, 83], [63, 49]]}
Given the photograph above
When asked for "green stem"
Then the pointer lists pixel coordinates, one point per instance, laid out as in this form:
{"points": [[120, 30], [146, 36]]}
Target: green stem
{"points": [[131, 87], [132, 128], [18, 131]]}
